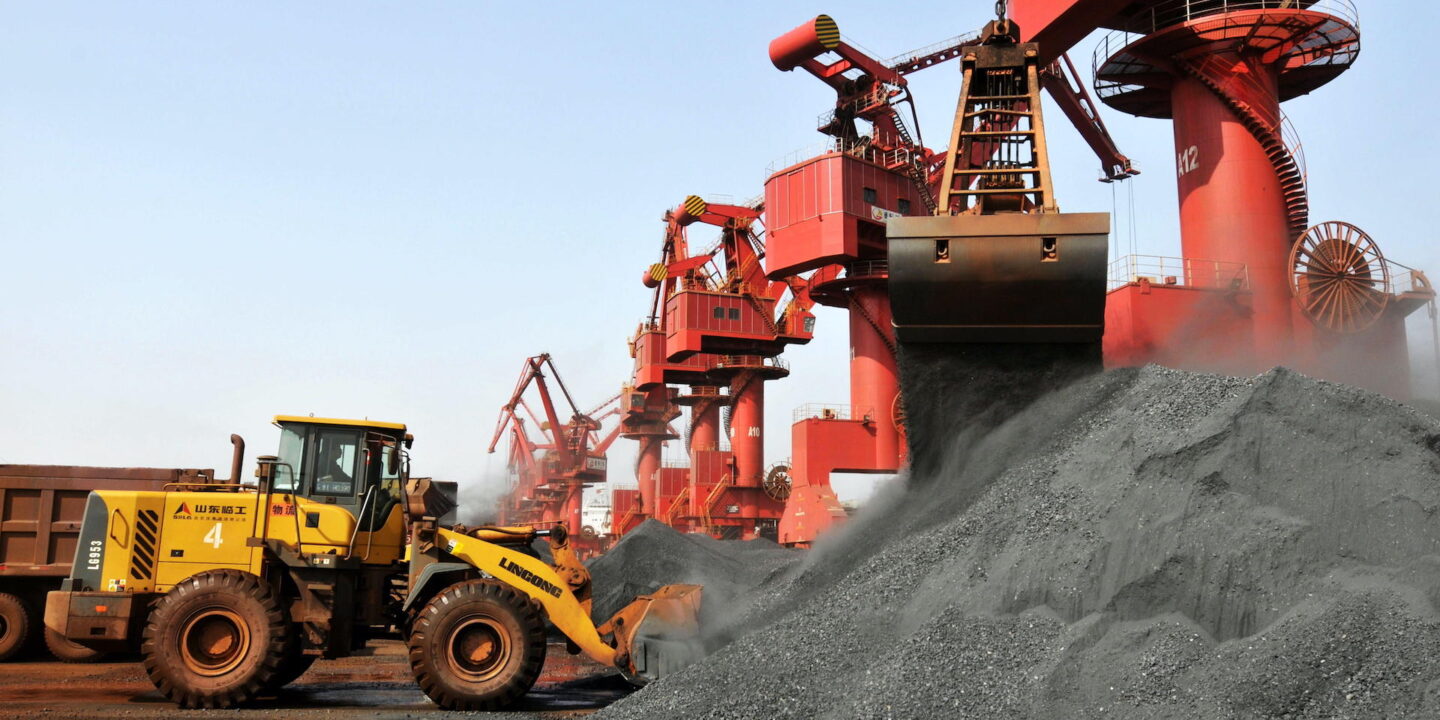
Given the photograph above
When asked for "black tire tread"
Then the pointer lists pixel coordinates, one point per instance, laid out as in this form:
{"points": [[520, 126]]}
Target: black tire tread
{"points": [[530, 616], [278, 625], [70, 652], [18, 621], [294, 665]]}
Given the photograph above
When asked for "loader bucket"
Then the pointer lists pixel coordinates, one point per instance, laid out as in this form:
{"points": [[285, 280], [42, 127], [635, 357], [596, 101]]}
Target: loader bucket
{"points": [[1004, 278], [659, 633]]}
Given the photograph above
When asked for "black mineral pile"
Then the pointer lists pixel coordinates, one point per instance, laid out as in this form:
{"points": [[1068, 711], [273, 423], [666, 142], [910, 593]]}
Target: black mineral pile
{"points": [[1137, 544], [654, 554]]}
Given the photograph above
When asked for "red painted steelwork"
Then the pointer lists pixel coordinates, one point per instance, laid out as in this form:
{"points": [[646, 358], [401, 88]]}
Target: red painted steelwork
{"points": [[1057, 25], [1231, 207], [1220, 71], [816, 212], [548, 478], [804, 42], [719, 301], [831, 210]]}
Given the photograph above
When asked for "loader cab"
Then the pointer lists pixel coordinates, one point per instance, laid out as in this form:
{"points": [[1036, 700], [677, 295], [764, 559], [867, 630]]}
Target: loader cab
{"points": [[359, 465]]}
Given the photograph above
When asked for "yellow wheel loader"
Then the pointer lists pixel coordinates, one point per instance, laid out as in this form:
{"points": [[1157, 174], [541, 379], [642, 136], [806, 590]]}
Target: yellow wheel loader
{"points": [[229, 591]]}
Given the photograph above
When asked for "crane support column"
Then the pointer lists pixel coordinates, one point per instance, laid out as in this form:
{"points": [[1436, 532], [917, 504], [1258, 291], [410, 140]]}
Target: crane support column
{"points": [[747, 440], [874, 379], [647, 473], [705, 426], [1241, 197]]}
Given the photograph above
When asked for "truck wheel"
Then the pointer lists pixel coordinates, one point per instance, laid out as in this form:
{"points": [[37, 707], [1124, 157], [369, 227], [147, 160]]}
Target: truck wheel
{"points": [[66, 651], [14, 625], [478, 645], [215, 640]]}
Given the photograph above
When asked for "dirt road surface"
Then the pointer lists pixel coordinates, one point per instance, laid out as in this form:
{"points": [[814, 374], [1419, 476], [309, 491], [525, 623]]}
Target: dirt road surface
{"points": [[375, 686]]}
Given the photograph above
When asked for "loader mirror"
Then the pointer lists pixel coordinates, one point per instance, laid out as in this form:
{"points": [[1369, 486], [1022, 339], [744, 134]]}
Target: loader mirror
{"points": [[392, 460]]}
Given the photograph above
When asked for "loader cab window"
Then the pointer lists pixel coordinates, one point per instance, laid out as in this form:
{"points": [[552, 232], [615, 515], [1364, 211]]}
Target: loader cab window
{"points": [[292, 453], [385, 480], [334, 462], [378, 470]]}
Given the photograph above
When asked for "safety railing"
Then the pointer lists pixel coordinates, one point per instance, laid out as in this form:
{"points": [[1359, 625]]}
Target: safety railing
{"points": [[718, 198], [751, 361], [821, 411], [867, 268], [877, 95], [1178, 272], [899, 62], [830, 411], [1291, 138], [1405, 279], [1169, 14], [855, 148]]}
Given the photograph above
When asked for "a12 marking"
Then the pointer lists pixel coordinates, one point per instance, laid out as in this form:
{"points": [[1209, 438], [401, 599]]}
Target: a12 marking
{"points": [[1187, 161]]}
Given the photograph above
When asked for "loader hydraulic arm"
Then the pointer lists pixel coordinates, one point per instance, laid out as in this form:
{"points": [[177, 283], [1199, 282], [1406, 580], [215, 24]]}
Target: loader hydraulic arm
{"points": [[540, 582], [654, 635]]}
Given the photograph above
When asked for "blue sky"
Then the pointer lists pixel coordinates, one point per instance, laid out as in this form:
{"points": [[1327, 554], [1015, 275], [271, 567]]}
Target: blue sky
{"points": [[212, 213]]}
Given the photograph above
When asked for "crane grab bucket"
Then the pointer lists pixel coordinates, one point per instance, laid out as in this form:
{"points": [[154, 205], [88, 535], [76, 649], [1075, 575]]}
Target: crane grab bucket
{"points": [[1005, 278], [998, 262]]}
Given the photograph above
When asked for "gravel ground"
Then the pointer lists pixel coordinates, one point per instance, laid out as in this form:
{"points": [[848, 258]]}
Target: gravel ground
{"points": [[1137, 544], [375, 686]]}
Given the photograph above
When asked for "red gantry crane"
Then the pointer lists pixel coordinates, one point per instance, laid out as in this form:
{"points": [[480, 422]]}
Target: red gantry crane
{"points": [[550, 474], [718, 326]]}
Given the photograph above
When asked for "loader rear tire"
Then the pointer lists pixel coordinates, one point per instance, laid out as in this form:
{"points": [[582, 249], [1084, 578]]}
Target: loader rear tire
{"points": [[216, 640], [478, 645], [15, 625], [71, 652]]}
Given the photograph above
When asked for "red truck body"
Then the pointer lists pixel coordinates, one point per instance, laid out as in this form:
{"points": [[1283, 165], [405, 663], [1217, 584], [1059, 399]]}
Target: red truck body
{"points": [[41, 507]]}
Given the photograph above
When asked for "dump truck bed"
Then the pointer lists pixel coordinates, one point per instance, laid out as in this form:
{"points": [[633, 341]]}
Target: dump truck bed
{"points": [[41, 507]]}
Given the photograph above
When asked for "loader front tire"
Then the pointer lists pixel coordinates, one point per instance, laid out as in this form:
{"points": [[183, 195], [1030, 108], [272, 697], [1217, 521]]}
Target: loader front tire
{"points": [[216, 640], [16, 624], [478, 645]]}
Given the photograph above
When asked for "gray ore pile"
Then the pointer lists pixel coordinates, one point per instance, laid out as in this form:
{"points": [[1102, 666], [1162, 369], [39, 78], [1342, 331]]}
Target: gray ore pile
{"points": [[654, 554], [1139, 544]]}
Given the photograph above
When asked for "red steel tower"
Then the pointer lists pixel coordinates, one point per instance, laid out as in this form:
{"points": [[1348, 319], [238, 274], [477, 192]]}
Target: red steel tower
{"points": [[1257, 286], [827, 214], [714, 327]]}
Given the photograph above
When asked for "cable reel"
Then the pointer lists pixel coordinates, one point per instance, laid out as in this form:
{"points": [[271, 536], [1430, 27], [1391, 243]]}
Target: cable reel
{"points": [[1339, 277], [777, 482]]}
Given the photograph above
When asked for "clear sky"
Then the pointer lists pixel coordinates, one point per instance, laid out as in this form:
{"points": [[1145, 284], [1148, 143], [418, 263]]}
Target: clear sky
{"points": [[215, 212]]}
